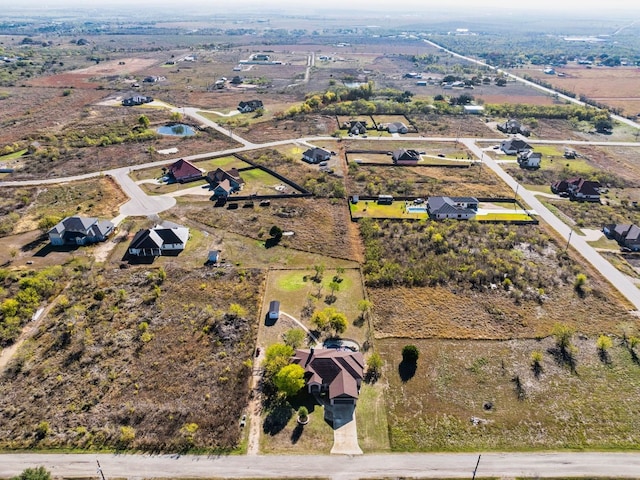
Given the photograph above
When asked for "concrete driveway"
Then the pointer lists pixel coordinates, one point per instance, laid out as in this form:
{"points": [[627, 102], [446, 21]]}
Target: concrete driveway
{"points": [[345, 432]]}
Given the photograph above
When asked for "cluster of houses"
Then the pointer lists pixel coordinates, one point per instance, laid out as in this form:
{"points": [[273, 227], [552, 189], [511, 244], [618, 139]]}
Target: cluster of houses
{"points": [[136, 100], [222, 182], [164, 239], [526, 157], [360, 127], [627, 235], [577, 189]]}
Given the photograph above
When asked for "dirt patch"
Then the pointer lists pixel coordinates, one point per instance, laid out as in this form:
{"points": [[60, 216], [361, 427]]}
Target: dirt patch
{"points": [[122, 66]]}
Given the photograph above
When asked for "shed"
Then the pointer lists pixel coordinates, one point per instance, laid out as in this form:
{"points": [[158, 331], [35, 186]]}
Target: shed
{"points": [[274, 310]]}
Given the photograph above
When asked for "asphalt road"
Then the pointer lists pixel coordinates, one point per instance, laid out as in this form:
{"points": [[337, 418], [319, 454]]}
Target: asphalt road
{"points": [[338, 467]]}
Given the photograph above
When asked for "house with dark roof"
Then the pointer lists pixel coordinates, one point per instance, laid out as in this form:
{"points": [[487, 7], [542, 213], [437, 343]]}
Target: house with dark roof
{"points": [[250, 106], [513, 126], [459, 208], [577, 189], [513, 146], [225, 182], [316, 155], [403, 156], [165, 239], [80, 231], [355, 127], [627, 235], [183, 171], [333, 374], [136, 100]]}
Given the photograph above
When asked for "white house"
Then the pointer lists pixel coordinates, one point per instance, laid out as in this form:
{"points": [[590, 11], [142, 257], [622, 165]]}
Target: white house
{"points": [[529, 159]]}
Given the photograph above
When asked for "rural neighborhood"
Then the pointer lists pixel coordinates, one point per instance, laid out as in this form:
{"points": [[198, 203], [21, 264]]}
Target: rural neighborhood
{"points": [[378, 241]]}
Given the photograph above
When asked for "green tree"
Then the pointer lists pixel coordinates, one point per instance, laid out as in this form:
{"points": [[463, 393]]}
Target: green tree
{"points": [[38, 473], [303, 414], [276, 232], [277, 356], [47, 222], [237, 311], [338, 322], [289, 380], [143, 121], [175, 117], [294, 337], [320, 319], [319, 272], [410, 354], [604, 343], [374, 366], [365, 307], [562, 334]]}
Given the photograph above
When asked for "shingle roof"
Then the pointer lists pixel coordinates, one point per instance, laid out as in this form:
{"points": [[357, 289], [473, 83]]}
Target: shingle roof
{"points": [[184, 169], [339, 370]]}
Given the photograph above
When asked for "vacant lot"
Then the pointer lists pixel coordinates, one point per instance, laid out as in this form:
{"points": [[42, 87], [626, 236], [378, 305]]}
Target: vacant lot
{"points": [[425, 181], [515, 408], [138, 359]]}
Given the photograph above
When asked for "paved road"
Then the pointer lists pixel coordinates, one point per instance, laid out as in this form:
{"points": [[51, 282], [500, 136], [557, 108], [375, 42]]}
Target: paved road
{"points": [[608, 271], [335, 467]]}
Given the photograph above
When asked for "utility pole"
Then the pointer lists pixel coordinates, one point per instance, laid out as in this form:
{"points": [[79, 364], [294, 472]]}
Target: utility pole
{"points": [[568, 240], [476, 469], [102, 474]]}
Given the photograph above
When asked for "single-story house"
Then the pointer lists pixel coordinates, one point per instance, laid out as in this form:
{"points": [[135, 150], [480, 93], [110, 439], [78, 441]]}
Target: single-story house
{"points": [[336, 374], [577, 189], [460, 208], [250, 106], [355, 127], [513, 126], [136, 100], [225, 182], [165, 239], [316, 155], [514, 146], [403, 156], [396, 127], [183, 171], [529, 159], [80, 231]]}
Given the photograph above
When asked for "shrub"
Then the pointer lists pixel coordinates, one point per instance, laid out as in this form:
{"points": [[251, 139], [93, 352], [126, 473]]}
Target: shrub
{"points": [[410, 354]]}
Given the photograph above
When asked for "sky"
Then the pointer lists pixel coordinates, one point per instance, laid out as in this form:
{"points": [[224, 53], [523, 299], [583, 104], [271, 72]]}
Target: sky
{"points": [[227, 6]]}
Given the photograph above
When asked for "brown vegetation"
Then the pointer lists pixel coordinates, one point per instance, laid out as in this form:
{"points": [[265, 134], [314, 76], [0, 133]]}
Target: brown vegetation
{"points": [[169, 358]]}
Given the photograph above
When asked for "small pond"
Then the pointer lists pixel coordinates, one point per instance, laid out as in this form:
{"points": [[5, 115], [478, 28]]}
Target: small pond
{"points": [[178, 129]]}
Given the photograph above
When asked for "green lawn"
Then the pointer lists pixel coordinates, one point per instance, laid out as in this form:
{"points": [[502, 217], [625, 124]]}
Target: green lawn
{"points": [[373, 209], [371, 418], [13, 156]]}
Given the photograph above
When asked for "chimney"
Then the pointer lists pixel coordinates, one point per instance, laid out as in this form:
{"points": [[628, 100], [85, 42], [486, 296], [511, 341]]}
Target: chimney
{"points": [[309, 357]]}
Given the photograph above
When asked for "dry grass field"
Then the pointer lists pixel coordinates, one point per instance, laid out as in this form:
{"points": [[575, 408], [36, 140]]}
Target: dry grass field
{"points": [[515, 407], [130, 359], [613, 86]]}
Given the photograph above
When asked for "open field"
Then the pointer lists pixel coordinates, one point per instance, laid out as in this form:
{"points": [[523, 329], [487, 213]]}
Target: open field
{"points": [[614, 87], [425, 181], [184, 324], [515, 407]]}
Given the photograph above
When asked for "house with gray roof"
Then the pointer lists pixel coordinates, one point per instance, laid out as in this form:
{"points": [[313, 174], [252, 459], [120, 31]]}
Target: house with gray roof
{"points": [[627, 235], [459, 208], [514, 146], [316, 155], [78, 230]]}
